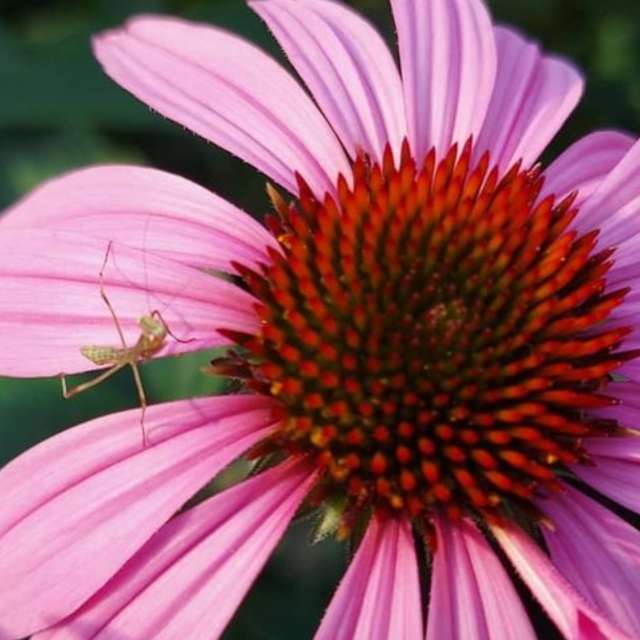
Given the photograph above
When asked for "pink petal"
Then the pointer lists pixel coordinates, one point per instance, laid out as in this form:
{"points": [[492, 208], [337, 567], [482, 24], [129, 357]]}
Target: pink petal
{"points": [[627, 409], [571, 613], [189, 579], [615, 479], [585, 164], [227, 91], [625, 274], [631, 370], [146, 209], [616, 473], [59, 463], [598, 553], [50, 303], [614, 207], [627, 449], [97, 498], [627, 417], [471, 595], [448, 60], [379, 596], [348, 68], [532, 98]]}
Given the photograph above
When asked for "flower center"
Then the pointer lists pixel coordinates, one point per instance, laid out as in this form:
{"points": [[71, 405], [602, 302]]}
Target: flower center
{"points": [[434, 337]]}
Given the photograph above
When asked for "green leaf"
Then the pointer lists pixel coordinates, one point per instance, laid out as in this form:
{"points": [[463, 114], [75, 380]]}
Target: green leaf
{"points": [[329, 519]]}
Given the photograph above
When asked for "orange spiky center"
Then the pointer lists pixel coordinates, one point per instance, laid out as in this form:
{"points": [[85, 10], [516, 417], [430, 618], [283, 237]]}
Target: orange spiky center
{"points": [[431, 337]]}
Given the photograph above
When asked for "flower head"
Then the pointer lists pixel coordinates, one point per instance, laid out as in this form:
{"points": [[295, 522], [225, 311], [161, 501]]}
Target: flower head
{"points": [[436, 339]]}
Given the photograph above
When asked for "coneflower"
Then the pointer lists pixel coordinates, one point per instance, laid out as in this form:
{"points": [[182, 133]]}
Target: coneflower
{"points": [[436, 338]]}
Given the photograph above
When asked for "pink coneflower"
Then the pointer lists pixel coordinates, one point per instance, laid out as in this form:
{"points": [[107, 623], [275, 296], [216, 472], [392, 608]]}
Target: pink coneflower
{"points": [[436, 337]]}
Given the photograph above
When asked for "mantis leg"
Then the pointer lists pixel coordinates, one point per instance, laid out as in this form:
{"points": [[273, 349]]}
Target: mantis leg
{"points": [[103, 295], [156, 314], [69, 393], [143, 400]]}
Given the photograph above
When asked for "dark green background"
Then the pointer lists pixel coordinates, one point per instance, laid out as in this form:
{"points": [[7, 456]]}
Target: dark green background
{"points": [[57, 112]]}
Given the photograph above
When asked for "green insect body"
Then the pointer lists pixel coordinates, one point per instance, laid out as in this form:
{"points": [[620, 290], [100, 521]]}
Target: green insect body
{"points": [[151, 340], [102, 356]]}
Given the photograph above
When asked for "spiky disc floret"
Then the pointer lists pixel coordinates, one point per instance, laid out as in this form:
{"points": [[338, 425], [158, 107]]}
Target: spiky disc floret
{"points": [[432, 337]]}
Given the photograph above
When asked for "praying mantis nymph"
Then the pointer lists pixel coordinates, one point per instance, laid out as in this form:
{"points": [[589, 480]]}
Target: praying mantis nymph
{"points": [[154, 332]]}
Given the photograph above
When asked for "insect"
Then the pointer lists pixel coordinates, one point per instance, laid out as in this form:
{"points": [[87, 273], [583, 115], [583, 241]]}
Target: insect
{"points": [[154, 332]]}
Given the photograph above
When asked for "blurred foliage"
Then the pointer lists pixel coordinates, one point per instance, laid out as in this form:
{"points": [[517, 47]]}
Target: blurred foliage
{"points": [[58, 112]]}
